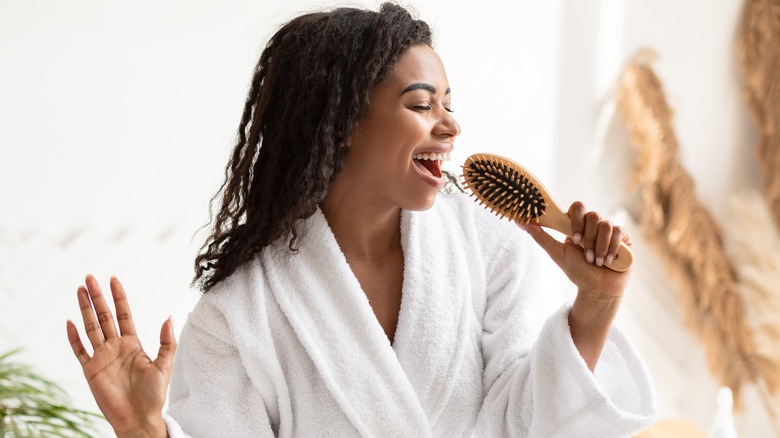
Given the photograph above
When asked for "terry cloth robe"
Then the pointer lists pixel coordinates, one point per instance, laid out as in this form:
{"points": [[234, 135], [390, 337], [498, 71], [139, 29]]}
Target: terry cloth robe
{"points": [[289, 346]]}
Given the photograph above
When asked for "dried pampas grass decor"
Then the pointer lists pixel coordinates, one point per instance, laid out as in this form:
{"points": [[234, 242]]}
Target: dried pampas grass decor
{"points": [[688, 239], [753, 245], [758, 47]]}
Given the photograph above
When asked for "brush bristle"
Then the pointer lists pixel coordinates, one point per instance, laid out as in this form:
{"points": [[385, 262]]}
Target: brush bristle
{"points": [[502, 188]]}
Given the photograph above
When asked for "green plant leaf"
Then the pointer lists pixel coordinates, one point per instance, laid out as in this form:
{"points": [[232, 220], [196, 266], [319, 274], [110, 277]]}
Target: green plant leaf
{"points": [[33, 406]]}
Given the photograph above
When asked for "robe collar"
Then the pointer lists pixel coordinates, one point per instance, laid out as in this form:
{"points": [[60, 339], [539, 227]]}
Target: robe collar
{"points": [[401, 389]]}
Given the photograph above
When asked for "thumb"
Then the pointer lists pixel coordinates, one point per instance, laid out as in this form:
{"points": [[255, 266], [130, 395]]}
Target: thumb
{"points": [[548, 243], [167, 345]]}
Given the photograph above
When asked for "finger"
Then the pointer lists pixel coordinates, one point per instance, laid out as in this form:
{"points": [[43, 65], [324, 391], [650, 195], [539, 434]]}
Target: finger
{"points": [[614, 244], [626, 237], [91, 325], [104, 315], [123, 316], [167, 346], [75, 343], [547, 242], [592, 220], [603, 240], [577, 216]]}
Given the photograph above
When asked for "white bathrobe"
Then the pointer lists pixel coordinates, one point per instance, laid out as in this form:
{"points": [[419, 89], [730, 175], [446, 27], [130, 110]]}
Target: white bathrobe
{"points": [[289, 346]]}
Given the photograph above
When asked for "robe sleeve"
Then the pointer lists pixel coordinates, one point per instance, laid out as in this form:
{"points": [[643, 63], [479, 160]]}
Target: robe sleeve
{"points": [[211, 393], [539, 385]]}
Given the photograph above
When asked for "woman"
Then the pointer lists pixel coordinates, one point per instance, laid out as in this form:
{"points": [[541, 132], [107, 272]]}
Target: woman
{"points": [[342, 298]]}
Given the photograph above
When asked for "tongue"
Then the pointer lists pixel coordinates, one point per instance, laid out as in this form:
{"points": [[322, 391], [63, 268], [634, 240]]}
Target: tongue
{"points": [[432, 166]]}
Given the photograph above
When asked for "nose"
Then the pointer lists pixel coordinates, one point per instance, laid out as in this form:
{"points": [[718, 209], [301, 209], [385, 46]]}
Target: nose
{"points": [[447, 126]]}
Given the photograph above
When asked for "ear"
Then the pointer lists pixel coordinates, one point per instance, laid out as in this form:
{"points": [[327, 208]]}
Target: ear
{"points": [[349, 140], [342, 142]]}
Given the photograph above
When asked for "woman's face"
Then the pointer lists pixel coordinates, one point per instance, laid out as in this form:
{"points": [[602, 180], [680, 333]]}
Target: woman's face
{"points": [[396, 151]]}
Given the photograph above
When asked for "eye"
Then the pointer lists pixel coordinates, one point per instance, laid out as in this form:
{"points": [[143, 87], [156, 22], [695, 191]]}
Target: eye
{"points": [[421, 107], [449, 110]]}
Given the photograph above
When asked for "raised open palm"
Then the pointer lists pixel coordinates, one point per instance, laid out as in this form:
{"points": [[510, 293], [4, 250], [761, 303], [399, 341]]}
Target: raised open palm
{"points": [[128, 386]]}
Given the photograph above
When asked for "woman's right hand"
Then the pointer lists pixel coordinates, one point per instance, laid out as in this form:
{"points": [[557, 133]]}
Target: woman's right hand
{"points": [[128, 386]]}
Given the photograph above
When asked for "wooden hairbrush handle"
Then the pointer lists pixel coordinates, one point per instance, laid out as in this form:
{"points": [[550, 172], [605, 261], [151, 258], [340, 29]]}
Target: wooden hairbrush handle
{"points": [[511, 191], [560, 221]]}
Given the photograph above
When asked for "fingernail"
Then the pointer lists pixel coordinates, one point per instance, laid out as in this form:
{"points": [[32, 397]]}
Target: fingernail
{"points": [[610, 258], [576, 238], [589, 256], [599, 261]]}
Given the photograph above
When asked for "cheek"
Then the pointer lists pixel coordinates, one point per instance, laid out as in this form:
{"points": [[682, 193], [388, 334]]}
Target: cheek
{"points": [[405, 136], [384, 145]]}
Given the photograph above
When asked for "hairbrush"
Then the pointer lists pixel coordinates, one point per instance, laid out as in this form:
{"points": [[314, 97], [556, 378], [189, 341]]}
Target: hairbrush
{"points": [[510, 191]]}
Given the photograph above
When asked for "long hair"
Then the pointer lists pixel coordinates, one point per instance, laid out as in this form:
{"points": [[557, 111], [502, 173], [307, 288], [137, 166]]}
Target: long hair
{"points": [[310, 89]]}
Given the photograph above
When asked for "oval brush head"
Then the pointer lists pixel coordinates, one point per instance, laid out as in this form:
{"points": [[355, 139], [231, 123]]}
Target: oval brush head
{"points": [[510, 191]]}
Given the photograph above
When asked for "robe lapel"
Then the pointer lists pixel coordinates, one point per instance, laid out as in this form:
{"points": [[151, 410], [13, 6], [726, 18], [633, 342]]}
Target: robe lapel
{"points": [[432, 333], [331, 317]]}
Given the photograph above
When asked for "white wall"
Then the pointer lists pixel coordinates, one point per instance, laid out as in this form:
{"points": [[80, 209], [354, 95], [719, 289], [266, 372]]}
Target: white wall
{"points": [[116, 119]]}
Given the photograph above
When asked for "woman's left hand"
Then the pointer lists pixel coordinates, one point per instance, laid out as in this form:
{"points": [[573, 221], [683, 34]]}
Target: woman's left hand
{"points": [[582, 257]]}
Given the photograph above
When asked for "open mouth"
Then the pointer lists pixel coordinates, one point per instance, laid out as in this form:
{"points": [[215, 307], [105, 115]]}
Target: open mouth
{"points": [[432, 162]]}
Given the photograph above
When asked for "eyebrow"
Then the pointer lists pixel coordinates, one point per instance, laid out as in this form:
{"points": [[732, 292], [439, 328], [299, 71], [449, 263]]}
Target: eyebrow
{"points": [[422, 86]]}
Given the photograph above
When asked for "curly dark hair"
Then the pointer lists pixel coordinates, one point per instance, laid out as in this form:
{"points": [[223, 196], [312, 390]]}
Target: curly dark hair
{"points": [[310, 89]]}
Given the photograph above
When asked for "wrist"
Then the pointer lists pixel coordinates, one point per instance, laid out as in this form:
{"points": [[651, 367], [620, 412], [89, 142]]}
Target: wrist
{"points": [[153, 428], [596, 308], [590, 319]]}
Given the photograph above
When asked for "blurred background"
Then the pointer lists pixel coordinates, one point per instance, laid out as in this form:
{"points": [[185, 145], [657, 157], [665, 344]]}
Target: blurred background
{"points": [[116, 119]]}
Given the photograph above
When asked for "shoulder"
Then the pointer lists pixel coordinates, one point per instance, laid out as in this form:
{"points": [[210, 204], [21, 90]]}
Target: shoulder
{"points": [[492, 242], [224, 302], [477, 222]]}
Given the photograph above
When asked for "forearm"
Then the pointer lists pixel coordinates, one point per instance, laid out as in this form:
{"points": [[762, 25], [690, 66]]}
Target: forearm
{"points": [[590, 319]]}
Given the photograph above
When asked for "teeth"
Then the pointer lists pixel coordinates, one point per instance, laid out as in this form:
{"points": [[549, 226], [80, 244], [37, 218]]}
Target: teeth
{"points": [[439, 156]]}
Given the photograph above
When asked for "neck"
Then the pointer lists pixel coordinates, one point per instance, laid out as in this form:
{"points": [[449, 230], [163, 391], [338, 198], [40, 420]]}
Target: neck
{"points": [[363, 229]]}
